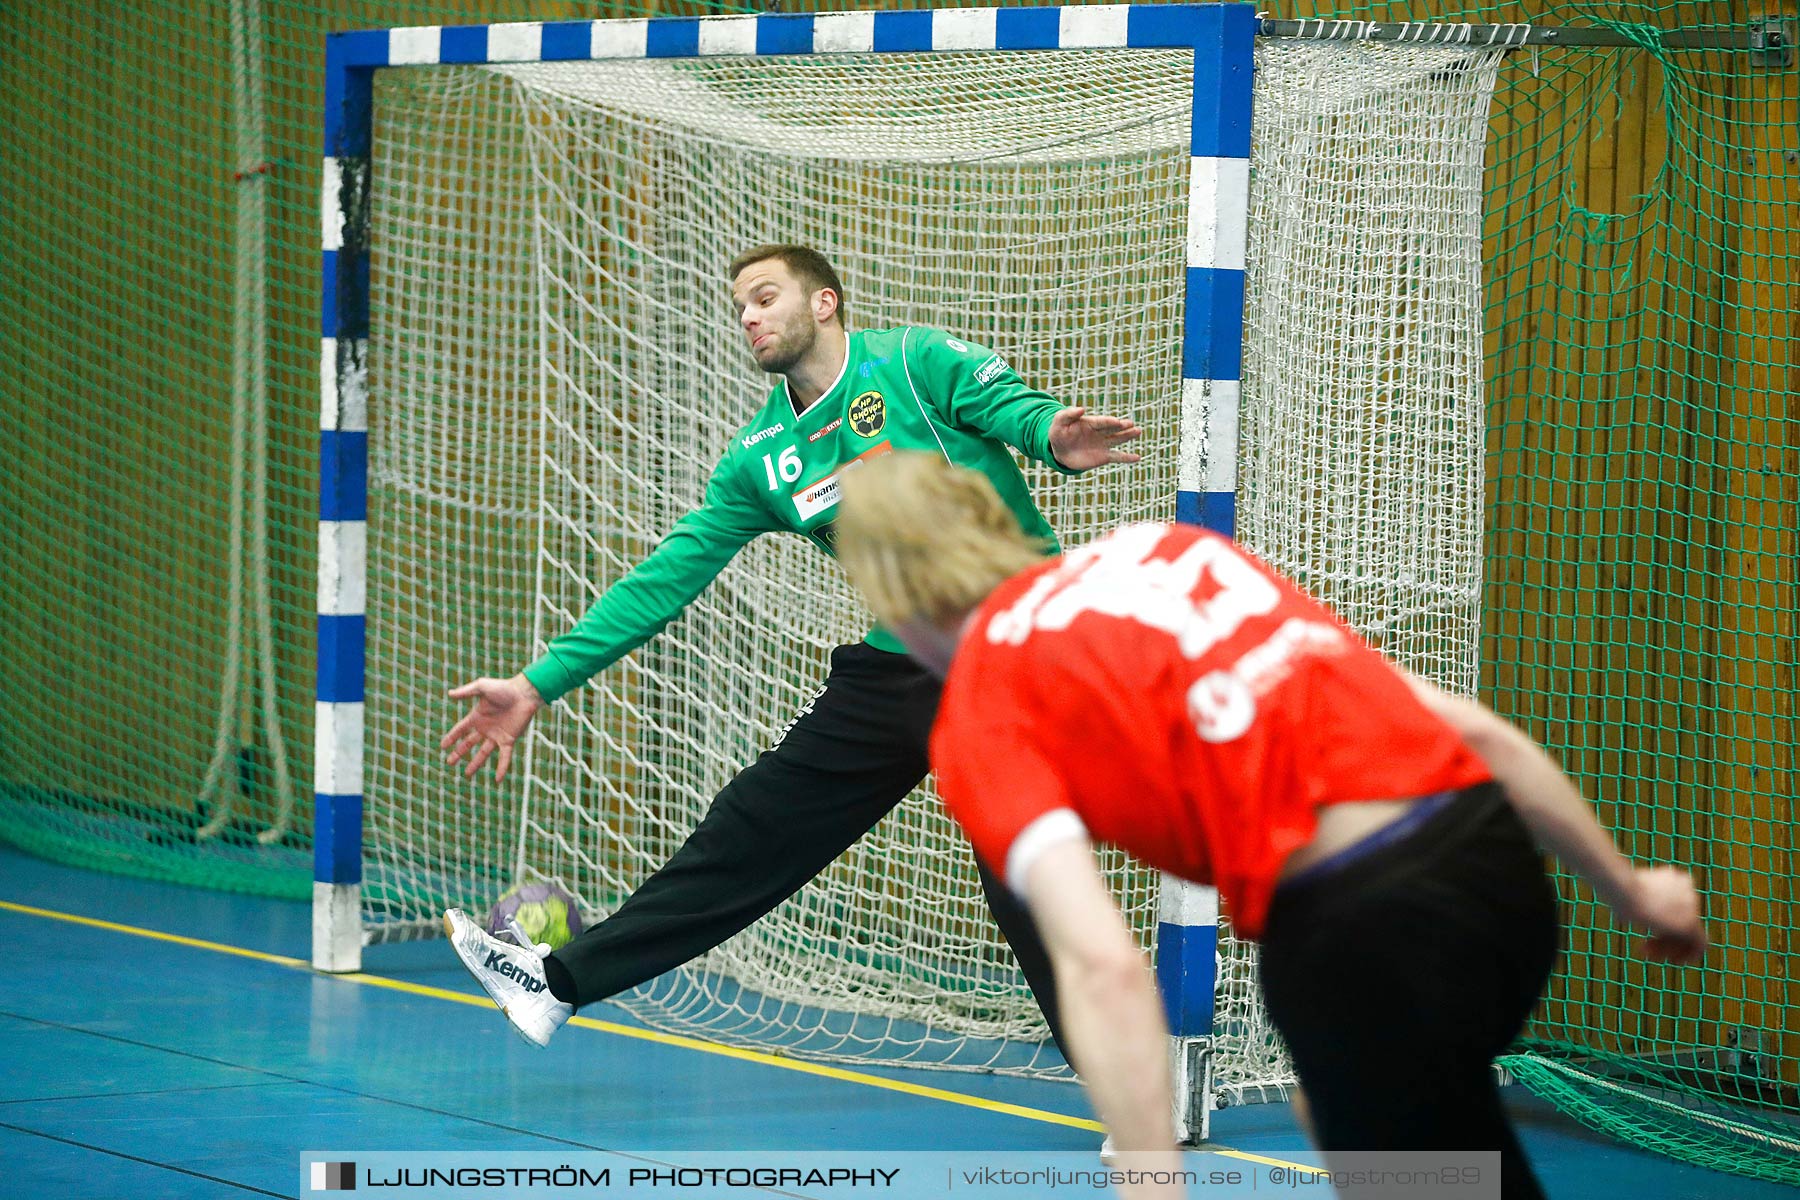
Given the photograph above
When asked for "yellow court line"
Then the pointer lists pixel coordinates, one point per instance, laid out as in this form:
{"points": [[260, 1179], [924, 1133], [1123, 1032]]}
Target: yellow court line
{"points": [[1271, 1162], [216, 947], [644, 1035], [754, 1056]]}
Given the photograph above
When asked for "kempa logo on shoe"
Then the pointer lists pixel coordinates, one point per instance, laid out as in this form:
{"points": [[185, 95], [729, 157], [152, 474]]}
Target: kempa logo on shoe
{"points": [[513, 977], [499, 964]]}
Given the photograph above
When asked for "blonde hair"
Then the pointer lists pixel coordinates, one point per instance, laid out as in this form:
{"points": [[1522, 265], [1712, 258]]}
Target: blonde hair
{"points": [[924, 540]]}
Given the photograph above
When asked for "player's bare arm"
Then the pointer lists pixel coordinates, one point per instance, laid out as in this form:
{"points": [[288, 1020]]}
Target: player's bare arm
{"points": [[1111, 1013], [1661, 900]]}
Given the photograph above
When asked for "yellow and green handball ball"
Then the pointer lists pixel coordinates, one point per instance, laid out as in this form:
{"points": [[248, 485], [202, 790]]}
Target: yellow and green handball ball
{"points": [[543, 910]]}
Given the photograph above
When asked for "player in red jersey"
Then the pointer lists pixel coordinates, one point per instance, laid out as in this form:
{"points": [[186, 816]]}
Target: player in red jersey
{"points": [[1163, 691]]}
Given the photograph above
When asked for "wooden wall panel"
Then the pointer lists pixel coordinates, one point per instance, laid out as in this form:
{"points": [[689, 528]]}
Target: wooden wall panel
{"points": [[1754, 731]]}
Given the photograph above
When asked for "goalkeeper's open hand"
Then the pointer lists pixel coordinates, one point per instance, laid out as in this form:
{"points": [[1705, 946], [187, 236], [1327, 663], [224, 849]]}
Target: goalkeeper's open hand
{"points": [[1081, 440], [502, 710]]}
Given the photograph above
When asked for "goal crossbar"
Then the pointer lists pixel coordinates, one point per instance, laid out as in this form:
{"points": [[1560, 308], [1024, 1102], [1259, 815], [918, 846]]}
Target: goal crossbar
{"points": [[1765, 36]]}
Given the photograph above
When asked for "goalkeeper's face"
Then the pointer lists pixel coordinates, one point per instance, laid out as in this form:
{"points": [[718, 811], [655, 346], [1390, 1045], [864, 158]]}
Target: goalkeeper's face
{"points": [[776, 315]]}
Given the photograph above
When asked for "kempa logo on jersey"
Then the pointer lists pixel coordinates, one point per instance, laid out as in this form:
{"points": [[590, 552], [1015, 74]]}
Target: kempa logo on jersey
{"points": [[868, 414], [813, 437], [822, 496], [751, 439]]}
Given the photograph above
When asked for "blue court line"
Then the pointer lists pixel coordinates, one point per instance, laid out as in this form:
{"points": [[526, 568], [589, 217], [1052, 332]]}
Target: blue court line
{"points": [[161, 1091], [482, 1001], [148, 1162], [266, 1074], [647, 1035]]}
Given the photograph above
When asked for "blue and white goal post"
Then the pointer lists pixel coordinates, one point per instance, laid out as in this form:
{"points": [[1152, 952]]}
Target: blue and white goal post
{"points": [[1221, 38]]}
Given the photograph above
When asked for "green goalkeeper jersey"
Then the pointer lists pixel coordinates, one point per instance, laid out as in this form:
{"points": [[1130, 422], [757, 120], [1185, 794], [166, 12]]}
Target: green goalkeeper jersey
{"points": [[909, 388]]}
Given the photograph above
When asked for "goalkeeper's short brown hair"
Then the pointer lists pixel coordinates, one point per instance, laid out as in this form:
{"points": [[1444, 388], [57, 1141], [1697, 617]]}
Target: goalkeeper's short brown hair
{"points": [[924, 540], [812, 269]]}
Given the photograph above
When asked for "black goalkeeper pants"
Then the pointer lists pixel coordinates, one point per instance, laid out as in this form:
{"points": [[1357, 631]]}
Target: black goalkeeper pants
{"points": [[850, 756], [1398, 977]]}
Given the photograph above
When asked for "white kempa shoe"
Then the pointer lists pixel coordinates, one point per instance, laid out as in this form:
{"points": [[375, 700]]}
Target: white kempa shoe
{"points": [[512, 975]]}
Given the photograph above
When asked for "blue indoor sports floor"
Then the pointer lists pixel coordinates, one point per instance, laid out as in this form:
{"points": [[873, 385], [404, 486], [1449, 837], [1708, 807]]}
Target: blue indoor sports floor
{"points": [[181, 1047]]}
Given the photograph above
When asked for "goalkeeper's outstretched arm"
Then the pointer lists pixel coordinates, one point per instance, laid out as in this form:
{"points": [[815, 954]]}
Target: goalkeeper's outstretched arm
{"points": [[626, 615]]}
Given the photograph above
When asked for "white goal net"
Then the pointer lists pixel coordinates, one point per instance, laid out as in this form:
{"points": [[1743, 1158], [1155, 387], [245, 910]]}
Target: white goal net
{"points": [[554, 370]]}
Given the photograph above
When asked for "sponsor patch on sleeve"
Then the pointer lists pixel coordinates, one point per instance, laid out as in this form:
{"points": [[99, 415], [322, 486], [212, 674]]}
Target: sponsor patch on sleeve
{"points": [[992, 369]]}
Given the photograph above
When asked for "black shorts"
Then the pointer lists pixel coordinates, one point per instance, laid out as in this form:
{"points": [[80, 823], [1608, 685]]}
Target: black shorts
{"points": [[1399, 974]]}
